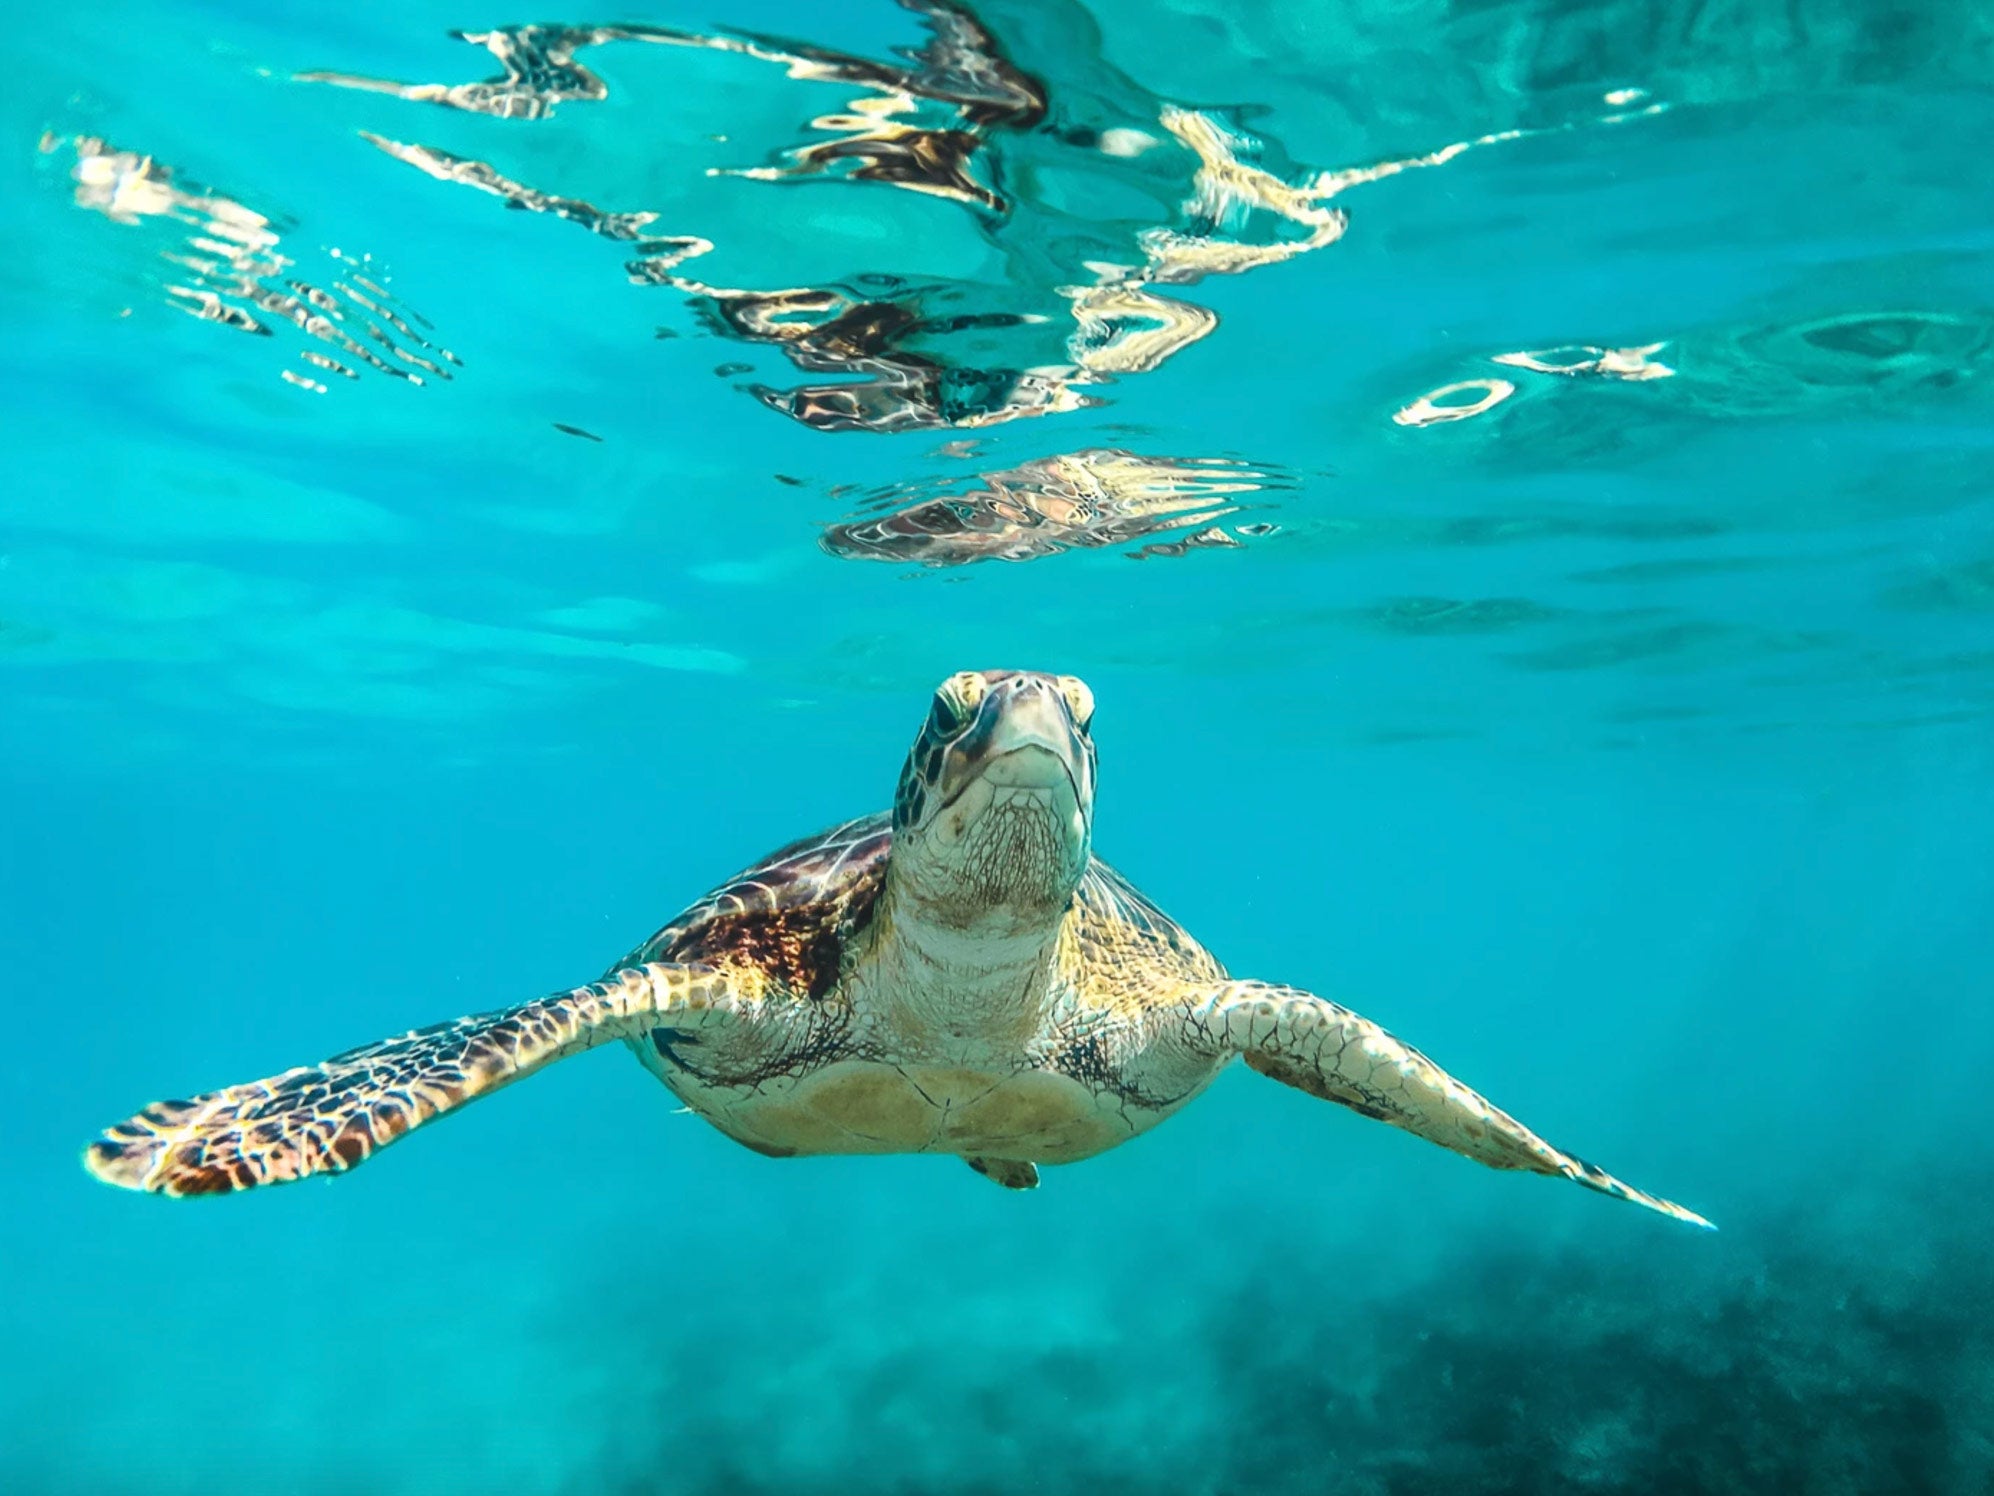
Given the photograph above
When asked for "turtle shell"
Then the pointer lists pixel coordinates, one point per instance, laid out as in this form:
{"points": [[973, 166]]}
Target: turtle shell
{"points": [[792, 916]]}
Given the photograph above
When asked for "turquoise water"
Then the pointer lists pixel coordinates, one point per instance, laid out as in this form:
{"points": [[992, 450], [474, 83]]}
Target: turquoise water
{"points": [[1514, 476]]}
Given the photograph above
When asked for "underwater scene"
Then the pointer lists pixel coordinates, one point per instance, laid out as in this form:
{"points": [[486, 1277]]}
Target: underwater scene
{"points": [[1293, 581]]}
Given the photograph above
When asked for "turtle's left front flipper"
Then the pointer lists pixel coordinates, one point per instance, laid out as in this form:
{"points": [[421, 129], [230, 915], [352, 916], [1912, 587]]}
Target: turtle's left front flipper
{"points": [[1326, 1050], [330, 1117]]}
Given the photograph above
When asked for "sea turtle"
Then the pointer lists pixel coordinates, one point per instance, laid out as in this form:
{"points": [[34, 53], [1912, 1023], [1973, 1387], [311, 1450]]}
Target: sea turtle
{"points": [[956, 976]]}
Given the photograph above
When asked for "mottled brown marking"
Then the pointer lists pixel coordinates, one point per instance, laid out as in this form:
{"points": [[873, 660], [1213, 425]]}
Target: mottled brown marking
{"points": [[801, 949], [794, 917]]}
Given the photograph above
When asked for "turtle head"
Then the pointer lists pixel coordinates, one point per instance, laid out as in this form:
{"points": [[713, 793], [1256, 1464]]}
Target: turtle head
{"points": [[995, 813]]}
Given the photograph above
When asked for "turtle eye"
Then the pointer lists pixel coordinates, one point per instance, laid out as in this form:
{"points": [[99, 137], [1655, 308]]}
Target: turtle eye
{"points": [[947, 715], [954, 703], [1079, 699]]}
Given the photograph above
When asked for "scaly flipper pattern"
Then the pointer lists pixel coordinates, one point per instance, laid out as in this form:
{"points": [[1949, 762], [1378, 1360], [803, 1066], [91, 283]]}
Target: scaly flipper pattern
{"points": [[331, 1117], [1328, 1051]]}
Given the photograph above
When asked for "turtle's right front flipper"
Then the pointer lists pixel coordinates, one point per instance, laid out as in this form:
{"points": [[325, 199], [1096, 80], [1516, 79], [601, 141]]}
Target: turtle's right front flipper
{"points": [[330, 1117]]}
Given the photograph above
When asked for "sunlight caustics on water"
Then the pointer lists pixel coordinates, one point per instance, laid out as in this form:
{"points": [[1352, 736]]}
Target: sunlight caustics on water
{"points": [[473, 483]]}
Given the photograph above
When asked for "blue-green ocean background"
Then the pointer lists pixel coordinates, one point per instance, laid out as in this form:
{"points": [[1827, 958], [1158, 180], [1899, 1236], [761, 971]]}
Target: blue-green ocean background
{"points": [[1626, 746]]}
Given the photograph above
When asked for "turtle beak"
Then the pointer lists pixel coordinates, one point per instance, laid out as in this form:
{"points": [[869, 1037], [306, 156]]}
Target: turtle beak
{"points": [[1024, 739], [1031, 744]]}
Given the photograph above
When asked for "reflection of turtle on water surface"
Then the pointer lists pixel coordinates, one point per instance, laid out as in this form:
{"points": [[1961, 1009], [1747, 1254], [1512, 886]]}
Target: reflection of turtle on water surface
{"points": [[1078, 500], [958, 976]]}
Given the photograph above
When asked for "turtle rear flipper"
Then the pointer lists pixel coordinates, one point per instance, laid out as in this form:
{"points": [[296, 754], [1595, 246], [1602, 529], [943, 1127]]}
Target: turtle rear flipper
{"points": [[330, 1117], [1012, 1173]]}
